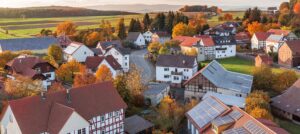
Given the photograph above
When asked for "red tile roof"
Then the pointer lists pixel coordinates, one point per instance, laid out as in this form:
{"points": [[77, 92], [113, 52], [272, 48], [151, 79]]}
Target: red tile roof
{"points": [[273, 126], [262, 36], [187, 41], [32, 113], [242, 36]]}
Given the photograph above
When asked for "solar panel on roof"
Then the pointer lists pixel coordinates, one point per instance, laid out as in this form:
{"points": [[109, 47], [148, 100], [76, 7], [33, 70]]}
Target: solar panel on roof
{"points": [[254, 128], [235, 114], [240, 130], [222, 120]]}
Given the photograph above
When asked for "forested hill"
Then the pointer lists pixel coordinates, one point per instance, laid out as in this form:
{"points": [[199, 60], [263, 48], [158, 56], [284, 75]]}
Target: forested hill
{"points": [[198, 8], [54, 11]]}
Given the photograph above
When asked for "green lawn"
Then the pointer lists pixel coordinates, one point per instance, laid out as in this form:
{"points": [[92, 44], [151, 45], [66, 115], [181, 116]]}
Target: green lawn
{"points": [[289, 126], [213, 21]]}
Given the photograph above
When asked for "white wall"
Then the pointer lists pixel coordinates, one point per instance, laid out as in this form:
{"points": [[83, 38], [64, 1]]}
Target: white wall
{"points": [[113, 72], [270, 44], [123, 60], [80, 54], [9, 123], [141, 42], [148, 36], [74, 123], [229, 52]]}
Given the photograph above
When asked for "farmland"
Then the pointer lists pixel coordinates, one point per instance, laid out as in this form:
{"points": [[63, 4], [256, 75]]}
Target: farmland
{"points": [[21, 28]]}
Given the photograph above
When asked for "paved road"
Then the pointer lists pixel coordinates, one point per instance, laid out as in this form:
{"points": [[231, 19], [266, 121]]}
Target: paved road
{"points": [[147, 68]]}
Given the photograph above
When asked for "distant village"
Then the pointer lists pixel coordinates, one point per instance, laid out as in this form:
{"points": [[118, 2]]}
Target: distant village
{"points": [[168, 73]]}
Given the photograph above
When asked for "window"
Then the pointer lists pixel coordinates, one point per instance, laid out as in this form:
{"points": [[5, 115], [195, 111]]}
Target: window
{"points": [[117, 113], [84, 52], [166, 76], [166, 69], [102, 118], [102, 132], [83, 131], [110, 114], [125, 58], [125, 63]]}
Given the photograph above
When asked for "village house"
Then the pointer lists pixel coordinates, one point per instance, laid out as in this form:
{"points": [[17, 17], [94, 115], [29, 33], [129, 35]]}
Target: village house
{"points": [[161, 37], [33, 44], [215, 78], [175, 68], [263, 59], [32, 67], [287, 104], [95, 108], [156, 92], [222, 30], [148, 36], [63, 40], [228, 100], [258, 40], [106, 45], [287, 34], [289, 54], [137, 39], [225, 46], [94, 62], [273, 43], [212, 116], [272, 10], [77, 51]]}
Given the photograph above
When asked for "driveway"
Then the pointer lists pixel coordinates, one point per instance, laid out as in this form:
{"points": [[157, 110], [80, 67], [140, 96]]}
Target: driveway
{"points": [[147, 68]]}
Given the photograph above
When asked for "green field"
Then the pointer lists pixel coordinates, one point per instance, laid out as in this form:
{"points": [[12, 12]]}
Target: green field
{"points": [[214, 20], [20, 28], [288, 126]]}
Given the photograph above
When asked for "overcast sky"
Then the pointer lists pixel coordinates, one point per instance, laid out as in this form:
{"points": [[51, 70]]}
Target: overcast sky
{"points": [[30, 3]]}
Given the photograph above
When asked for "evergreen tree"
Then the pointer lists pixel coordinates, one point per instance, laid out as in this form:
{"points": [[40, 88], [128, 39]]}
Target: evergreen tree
{"points": [[121, 29], [131, 25], [170, 22], [264, 19], [255, 15], [146, 22], [137, 26], [247, 14]]}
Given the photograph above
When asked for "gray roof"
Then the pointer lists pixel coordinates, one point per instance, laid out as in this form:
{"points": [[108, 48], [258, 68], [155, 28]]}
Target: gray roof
{"points": [[132, 36], [156, 88], [224, 40], [108, 44], [122, 50], [220, 77], [135, 124], [229, 100], [27, 43], [275, 38], [182, 61]]}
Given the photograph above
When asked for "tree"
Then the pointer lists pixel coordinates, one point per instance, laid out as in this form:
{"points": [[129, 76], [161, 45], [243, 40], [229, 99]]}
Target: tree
{"points": [[255, 15], [51, 60], [182, 29], [121, 29], [192, 52], [228, 17], [297, 8], [284, 80], [146, 22], [262, 78], [257, 99], [259, 113], [106, 30], [103, 74], [55, 87], [131, 25], [83, 79], [255, 27], [67, 71], [121, 85], [137, 26], [22, 87], [67, 28], [92, 38], [170, 21], [163, 50], [5, 57], [134, 80], [56, 52], [284, 19], [154, 47]]}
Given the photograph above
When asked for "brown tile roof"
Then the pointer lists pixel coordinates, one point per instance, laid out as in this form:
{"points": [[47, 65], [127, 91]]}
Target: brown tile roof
{"points": [[113, 62], [23, 65], [187, 41], [32, 113], [183, 61], [207, 40], [294, 45], [92, 62], [286, 101], [279, 32], [242, 36], [262, 36]]}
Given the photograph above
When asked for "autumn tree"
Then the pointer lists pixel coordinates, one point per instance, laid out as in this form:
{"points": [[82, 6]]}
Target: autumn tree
{"points": [[163, 50], [297, 8], [284, 80], [56, 52], [182, 29], [255, 27], [257, 99], [22, 87], [134, 80], [106, 30], [228, 17], [5, 57], [67, 28], [121, 86], [51, 60], [67, 71], [260, 113], [103, 74], [121, 29], [192, 52], [93, 38], [154, 47], [83, 79], [262, 78], [55, 87]]}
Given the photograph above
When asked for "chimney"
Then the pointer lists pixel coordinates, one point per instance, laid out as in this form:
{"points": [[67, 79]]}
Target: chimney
{"points": [[43, 95], [68, 96]]}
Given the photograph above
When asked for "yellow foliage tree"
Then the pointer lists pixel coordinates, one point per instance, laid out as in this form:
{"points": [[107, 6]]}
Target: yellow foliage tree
{"points": [[284, 80], [67, 71], [92, 38], [67, 28], [192, 52], [154, 47], [103, 74], [261, 113], [255, 27], [182, 29]]}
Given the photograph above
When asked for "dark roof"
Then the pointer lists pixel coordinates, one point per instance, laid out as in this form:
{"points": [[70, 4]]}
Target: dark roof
{"points": [[113, 62], [92, 62], [122, 50], [23, 65], [64, 40], [107, 44], [286, 101], [39, 43], [32, 113], [97, 51], [294, 45], [224, 40], [273, 126], [135, 124], [132, 36], [183, 61]]}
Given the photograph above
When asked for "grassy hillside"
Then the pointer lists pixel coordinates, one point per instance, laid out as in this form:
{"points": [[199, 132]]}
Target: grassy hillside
{"points": [[54, 11]]}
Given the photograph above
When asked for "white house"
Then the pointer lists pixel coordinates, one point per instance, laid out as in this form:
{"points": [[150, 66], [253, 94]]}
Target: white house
{"points": [[94, 62], [121, 55], [137, 38], [148, 36], [32, 67], [258, 40], [175, 68], [225, 46], [77, 51], [106, 45], [215, 78], [273, 43], [95, 108]]}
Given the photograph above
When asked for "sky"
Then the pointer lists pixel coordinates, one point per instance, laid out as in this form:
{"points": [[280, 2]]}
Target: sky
{"points": [[81, 3]]}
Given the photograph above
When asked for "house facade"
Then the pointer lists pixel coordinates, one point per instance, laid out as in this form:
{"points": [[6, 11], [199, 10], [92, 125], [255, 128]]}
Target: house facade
{"points": [[258, 40], [289, 54], [263, 59], [32, 67], [161, 37], [175, 68], [136, 38], [148, 36], [121, 55], [287, 34], [77, 51], [215, 78], [83, 110], [225, 46], [273, 43]]}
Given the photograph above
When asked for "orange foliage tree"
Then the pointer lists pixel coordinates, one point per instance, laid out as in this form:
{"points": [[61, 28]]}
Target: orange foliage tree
{"points": [[297, 8], [261, 113], [104, 74], [182, 29], [83, 79], [67, 28], [255, 27], [228, 16], [67, 71], [92, 38]]}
